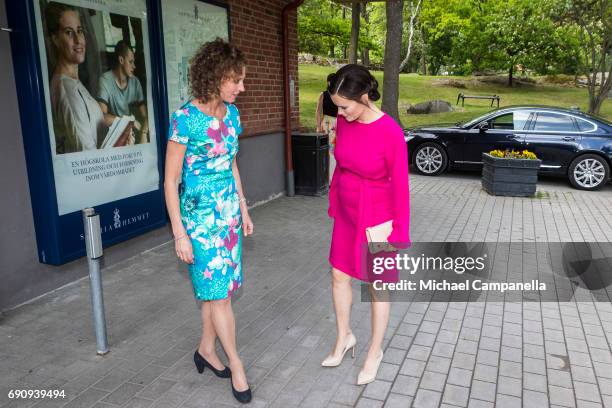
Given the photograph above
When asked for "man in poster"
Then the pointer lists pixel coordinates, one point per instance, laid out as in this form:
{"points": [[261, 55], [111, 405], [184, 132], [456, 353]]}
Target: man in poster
{"points": [[120, 92]]}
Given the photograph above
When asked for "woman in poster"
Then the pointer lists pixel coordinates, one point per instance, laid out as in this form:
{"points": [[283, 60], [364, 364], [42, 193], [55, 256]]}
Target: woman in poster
{"points": [[210, 214], [78, 121]]}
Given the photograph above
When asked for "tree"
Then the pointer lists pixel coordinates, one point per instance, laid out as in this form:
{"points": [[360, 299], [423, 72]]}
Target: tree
{"points": [[393, 45], [355, 20], [414, 11], [594, 19]]}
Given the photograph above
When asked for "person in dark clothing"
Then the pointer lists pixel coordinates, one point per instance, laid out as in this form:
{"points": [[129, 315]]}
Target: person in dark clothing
{"points": [[326, 114]]}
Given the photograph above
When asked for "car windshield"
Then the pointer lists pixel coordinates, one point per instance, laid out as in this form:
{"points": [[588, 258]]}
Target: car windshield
{"points": [[473, 121]]}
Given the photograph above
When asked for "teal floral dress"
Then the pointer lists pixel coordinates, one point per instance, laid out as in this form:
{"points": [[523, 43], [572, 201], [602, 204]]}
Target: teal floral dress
{"points": [[210, 206]]}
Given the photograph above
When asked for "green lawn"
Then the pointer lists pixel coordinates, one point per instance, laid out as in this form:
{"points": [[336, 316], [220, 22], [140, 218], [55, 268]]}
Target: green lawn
{"points": [[415, 88]]}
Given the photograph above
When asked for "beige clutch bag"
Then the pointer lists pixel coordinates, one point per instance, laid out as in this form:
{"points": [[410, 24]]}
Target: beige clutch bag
{"points": [[378, 235]]}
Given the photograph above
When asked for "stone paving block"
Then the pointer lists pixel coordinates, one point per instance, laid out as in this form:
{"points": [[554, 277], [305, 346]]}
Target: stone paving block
{"points": [[507, 401], [398, 401], [561, 396], [417, 352], [377, 390], [456, 395], [510, 369], [433, 381], [138, 403], [438, 364], [387, 372], [113, 380], [405, 385], [560, 378], [487, 357], [394, 356], [443, 350], [459, 376], [156, 389], [509, 386], [467, 346], [401, 342], [87, 398], [476, 403], [462, 360], [347, 394], [427, 399], [586, 391], [123, 393], [535, 382], [148, 374], [368, 403], [424, 339], [483, 390]]}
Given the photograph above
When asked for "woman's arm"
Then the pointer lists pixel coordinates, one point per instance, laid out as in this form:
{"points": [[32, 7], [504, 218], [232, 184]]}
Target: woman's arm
{"points": [[247, 224], [319, 114], [175, 153], [397, 166]]}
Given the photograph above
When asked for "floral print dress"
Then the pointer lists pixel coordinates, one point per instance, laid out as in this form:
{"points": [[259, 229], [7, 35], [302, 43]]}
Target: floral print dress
{"points": [[210, 206]]}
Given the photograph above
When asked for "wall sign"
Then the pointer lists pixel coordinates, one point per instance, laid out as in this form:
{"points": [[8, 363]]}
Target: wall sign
{"points": [[187, 25]]}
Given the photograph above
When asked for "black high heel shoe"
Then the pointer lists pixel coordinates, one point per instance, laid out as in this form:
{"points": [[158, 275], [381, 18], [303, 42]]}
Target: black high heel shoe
{"points": [[242, 396], [201, 363]]}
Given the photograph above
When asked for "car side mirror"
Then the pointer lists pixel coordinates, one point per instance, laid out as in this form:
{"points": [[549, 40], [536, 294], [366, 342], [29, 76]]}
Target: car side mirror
{"points": [[483, 127]]}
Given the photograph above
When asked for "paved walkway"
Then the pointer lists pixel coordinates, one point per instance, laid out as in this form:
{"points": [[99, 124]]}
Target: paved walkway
{"points": [[436, 354]]}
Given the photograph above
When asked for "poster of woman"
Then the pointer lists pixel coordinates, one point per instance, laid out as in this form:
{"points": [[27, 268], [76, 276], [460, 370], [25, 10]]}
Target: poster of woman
{"points": [[95, 60]]}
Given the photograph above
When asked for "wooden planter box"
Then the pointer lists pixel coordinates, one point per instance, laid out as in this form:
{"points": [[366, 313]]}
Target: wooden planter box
{"points": [[509, 177]]}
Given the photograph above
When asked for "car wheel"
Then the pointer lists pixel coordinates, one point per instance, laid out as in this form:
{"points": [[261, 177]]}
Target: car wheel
{"points": [[589, 172], [430, 159]]}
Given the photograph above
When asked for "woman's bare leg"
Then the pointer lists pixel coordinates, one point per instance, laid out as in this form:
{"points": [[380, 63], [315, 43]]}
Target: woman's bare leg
{"points": [[342, 294], [380, 319], [225, 327], [207, 348]]}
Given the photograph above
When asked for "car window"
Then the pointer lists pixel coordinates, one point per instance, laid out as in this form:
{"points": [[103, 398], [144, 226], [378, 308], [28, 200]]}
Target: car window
{"points": [[584, 126], [554, 122], [510, 121]]}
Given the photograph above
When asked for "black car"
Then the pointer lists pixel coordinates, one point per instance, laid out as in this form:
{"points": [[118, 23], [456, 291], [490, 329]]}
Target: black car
{"points": [[569, 143]]}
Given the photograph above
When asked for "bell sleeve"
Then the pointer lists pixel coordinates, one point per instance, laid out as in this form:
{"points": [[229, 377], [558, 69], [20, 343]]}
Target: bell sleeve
{"points": [[397, 167]]}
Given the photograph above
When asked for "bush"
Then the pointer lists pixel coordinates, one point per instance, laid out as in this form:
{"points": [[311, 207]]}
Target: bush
{"points": [[513, 154]]}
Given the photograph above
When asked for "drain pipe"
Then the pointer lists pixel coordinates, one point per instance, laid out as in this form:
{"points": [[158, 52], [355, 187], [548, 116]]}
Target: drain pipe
{"points": [[290, 181]]}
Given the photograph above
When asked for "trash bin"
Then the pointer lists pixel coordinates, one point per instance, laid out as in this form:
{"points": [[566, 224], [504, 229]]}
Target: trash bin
{"points": [[310, 163]]}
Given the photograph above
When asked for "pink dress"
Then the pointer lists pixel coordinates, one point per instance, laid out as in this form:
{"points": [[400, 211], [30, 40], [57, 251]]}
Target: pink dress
{"points": [[369, 187]]}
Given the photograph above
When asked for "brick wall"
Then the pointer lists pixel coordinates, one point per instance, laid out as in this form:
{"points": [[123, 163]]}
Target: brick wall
{"points": [[256, 27]]}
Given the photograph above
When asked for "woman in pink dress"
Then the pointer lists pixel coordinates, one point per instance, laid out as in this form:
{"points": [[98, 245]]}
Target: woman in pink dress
{"points": [[369, 187]]}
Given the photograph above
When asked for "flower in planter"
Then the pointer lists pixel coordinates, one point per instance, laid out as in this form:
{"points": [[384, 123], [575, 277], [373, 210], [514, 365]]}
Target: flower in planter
{"points": [[513, 154]]}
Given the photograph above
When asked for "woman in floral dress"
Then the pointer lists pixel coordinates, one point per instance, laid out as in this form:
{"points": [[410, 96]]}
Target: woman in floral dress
{"points": [[206, 203]]}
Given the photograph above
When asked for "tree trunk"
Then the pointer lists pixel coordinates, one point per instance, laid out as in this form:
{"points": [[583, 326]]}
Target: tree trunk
{"points": [[365, 53], [414, 11], [596, 99], [354, 45], [344, 46], [393, 45], [510, 75], [424, 53]]}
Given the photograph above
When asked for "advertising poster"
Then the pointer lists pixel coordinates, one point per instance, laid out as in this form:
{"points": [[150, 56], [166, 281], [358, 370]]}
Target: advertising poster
{"points": [[187, 25], [96, 66]]}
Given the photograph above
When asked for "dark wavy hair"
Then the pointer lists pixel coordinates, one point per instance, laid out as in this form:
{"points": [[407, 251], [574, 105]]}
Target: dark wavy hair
{"points": [[212, 63], [352, 81]]}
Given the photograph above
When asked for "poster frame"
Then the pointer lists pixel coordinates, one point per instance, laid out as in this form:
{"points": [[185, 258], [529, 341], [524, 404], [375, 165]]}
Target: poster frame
{"points": [[60, 238]]}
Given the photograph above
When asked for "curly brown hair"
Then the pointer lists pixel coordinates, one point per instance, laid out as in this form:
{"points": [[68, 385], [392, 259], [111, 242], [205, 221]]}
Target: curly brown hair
{"points": [[214, 62]]}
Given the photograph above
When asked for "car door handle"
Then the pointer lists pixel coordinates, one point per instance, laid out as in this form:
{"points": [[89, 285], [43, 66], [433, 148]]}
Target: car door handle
{"points": [[569, 138]]}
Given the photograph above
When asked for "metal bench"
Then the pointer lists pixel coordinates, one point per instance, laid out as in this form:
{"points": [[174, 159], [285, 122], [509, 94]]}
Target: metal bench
{"points": [[463, 97]]}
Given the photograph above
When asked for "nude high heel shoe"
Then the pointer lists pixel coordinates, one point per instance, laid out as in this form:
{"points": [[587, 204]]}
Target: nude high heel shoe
{"points": [[332, 361], [368, 377]]}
